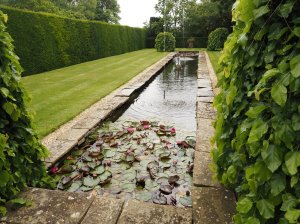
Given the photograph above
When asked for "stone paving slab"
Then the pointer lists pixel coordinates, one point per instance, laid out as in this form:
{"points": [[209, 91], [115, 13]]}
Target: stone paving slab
{"points": [[73, 134], [104, 210], [50, 207], [205, 92], [205, 110], [205, 129], [59, 149], [205, 99], [115, 103], [212, 205], [126, 92], [203, 176], [87, 123], [204, 83], [135, 212]]}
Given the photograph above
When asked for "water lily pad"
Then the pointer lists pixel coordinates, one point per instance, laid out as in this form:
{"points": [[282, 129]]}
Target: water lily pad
{"points": [[173, 179], [165, 155], [159, 199], [151, 185], [104, 177], [90, 181], [144, 196], [130, 158], [166, 189], [85, 188], [108, 153], [162, 180], [116, 190], [98, 170], [131, 175], [186, 201], [66, 169], [128, 187], [191, 140], [75, 186], [66, 180]]}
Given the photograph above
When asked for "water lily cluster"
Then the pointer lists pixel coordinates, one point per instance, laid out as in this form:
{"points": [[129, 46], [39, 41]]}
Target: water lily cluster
{"points": [[144, 160]]}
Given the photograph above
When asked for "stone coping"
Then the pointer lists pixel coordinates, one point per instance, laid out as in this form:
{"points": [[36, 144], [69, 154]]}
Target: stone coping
{"points": [[73, 133], [212, 203]]}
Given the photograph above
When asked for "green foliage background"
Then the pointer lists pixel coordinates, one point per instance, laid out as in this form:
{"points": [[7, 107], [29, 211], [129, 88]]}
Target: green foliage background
{"points": [[21, 153], [258, 118], [45, 42], [165, 41], [217, 38]]}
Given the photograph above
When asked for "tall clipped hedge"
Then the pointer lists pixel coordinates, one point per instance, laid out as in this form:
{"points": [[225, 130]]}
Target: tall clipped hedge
{"points": [[21, 153], [258, 112], [217, 38], [46, 42]]}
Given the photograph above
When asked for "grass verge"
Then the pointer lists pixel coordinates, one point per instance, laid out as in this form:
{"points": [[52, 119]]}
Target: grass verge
{"points": [[214, 58], [60, 95]]}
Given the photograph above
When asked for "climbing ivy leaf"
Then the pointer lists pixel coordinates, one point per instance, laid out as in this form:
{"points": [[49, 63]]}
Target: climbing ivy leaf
{"points": [[292, 161], [272, 157], [279, 94], [244, 205], [265, 208]]}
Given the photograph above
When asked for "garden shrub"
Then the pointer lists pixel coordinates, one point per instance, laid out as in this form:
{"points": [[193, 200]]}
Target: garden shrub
{"points": [[45, 41], [258, 112], [165, 41], [21, 153], [217, 38]]}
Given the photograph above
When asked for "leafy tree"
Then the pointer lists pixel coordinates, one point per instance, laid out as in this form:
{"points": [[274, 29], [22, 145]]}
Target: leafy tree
{"points": [[173, 13], [107, 11], [21, 153]]}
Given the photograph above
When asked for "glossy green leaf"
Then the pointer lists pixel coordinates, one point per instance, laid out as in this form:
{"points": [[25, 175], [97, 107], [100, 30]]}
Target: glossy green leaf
{"points": [[260, 11], [272, 157], [265, 208], [292, 215], [292, 161], [288, 202], [279, 94], [278, 184], [244, 205], [253, 112], [295, 66]]}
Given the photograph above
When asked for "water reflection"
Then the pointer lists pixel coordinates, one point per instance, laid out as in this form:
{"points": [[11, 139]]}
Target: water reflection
{"points": [[171, 97]]}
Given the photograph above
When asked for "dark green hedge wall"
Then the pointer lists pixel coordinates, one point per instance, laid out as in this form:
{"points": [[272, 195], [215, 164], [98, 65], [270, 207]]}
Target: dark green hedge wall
{"points": [[45, 42], [200, 42]]}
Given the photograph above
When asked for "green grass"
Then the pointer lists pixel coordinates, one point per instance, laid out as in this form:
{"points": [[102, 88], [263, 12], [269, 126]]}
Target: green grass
{"points": [[59, 95], [214, 58]]}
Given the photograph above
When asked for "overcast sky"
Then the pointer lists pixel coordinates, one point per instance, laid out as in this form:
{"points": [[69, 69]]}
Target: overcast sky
{"points": [[135, 12]]}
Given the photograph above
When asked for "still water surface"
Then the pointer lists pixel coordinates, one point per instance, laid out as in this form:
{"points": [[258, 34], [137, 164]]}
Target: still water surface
{"points": [[170, 98]]}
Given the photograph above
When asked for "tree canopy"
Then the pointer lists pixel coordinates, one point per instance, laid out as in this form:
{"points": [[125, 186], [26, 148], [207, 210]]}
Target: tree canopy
{"points": [[102, 10]]}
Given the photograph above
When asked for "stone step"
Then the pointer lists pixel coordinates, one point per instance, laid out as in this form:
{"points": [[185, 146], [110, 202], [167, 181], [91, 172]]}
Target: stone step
{"points": [[212, 205], [136, 212], [50, 207]]}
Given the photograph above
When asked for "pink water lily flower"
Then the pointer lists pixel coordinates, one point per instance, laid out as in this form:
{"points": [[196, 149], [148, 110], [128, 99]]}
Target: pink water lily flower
{"points": [[130, 130], [172, 130], [146, 126], [54, 169]]}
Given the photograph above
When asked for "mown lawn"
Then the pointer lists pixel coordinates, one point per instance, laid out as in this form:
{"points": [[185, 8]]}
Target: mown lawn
{"points": [[59, 95], [214, 58]]}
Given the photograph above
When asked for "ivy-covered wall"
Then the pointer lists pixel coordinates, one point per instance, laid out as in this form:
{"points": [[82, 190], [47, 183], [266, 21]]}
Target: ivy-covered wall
{"points": [[258, 112], [21, 153], [45, 42]]}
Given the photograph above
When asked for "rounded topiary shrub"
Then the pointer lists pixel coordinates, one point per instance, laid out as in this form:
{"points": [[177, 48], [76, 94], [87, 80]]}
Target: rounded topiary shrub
{"points": [[217, 38], [21, 153], [165, 41]]}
